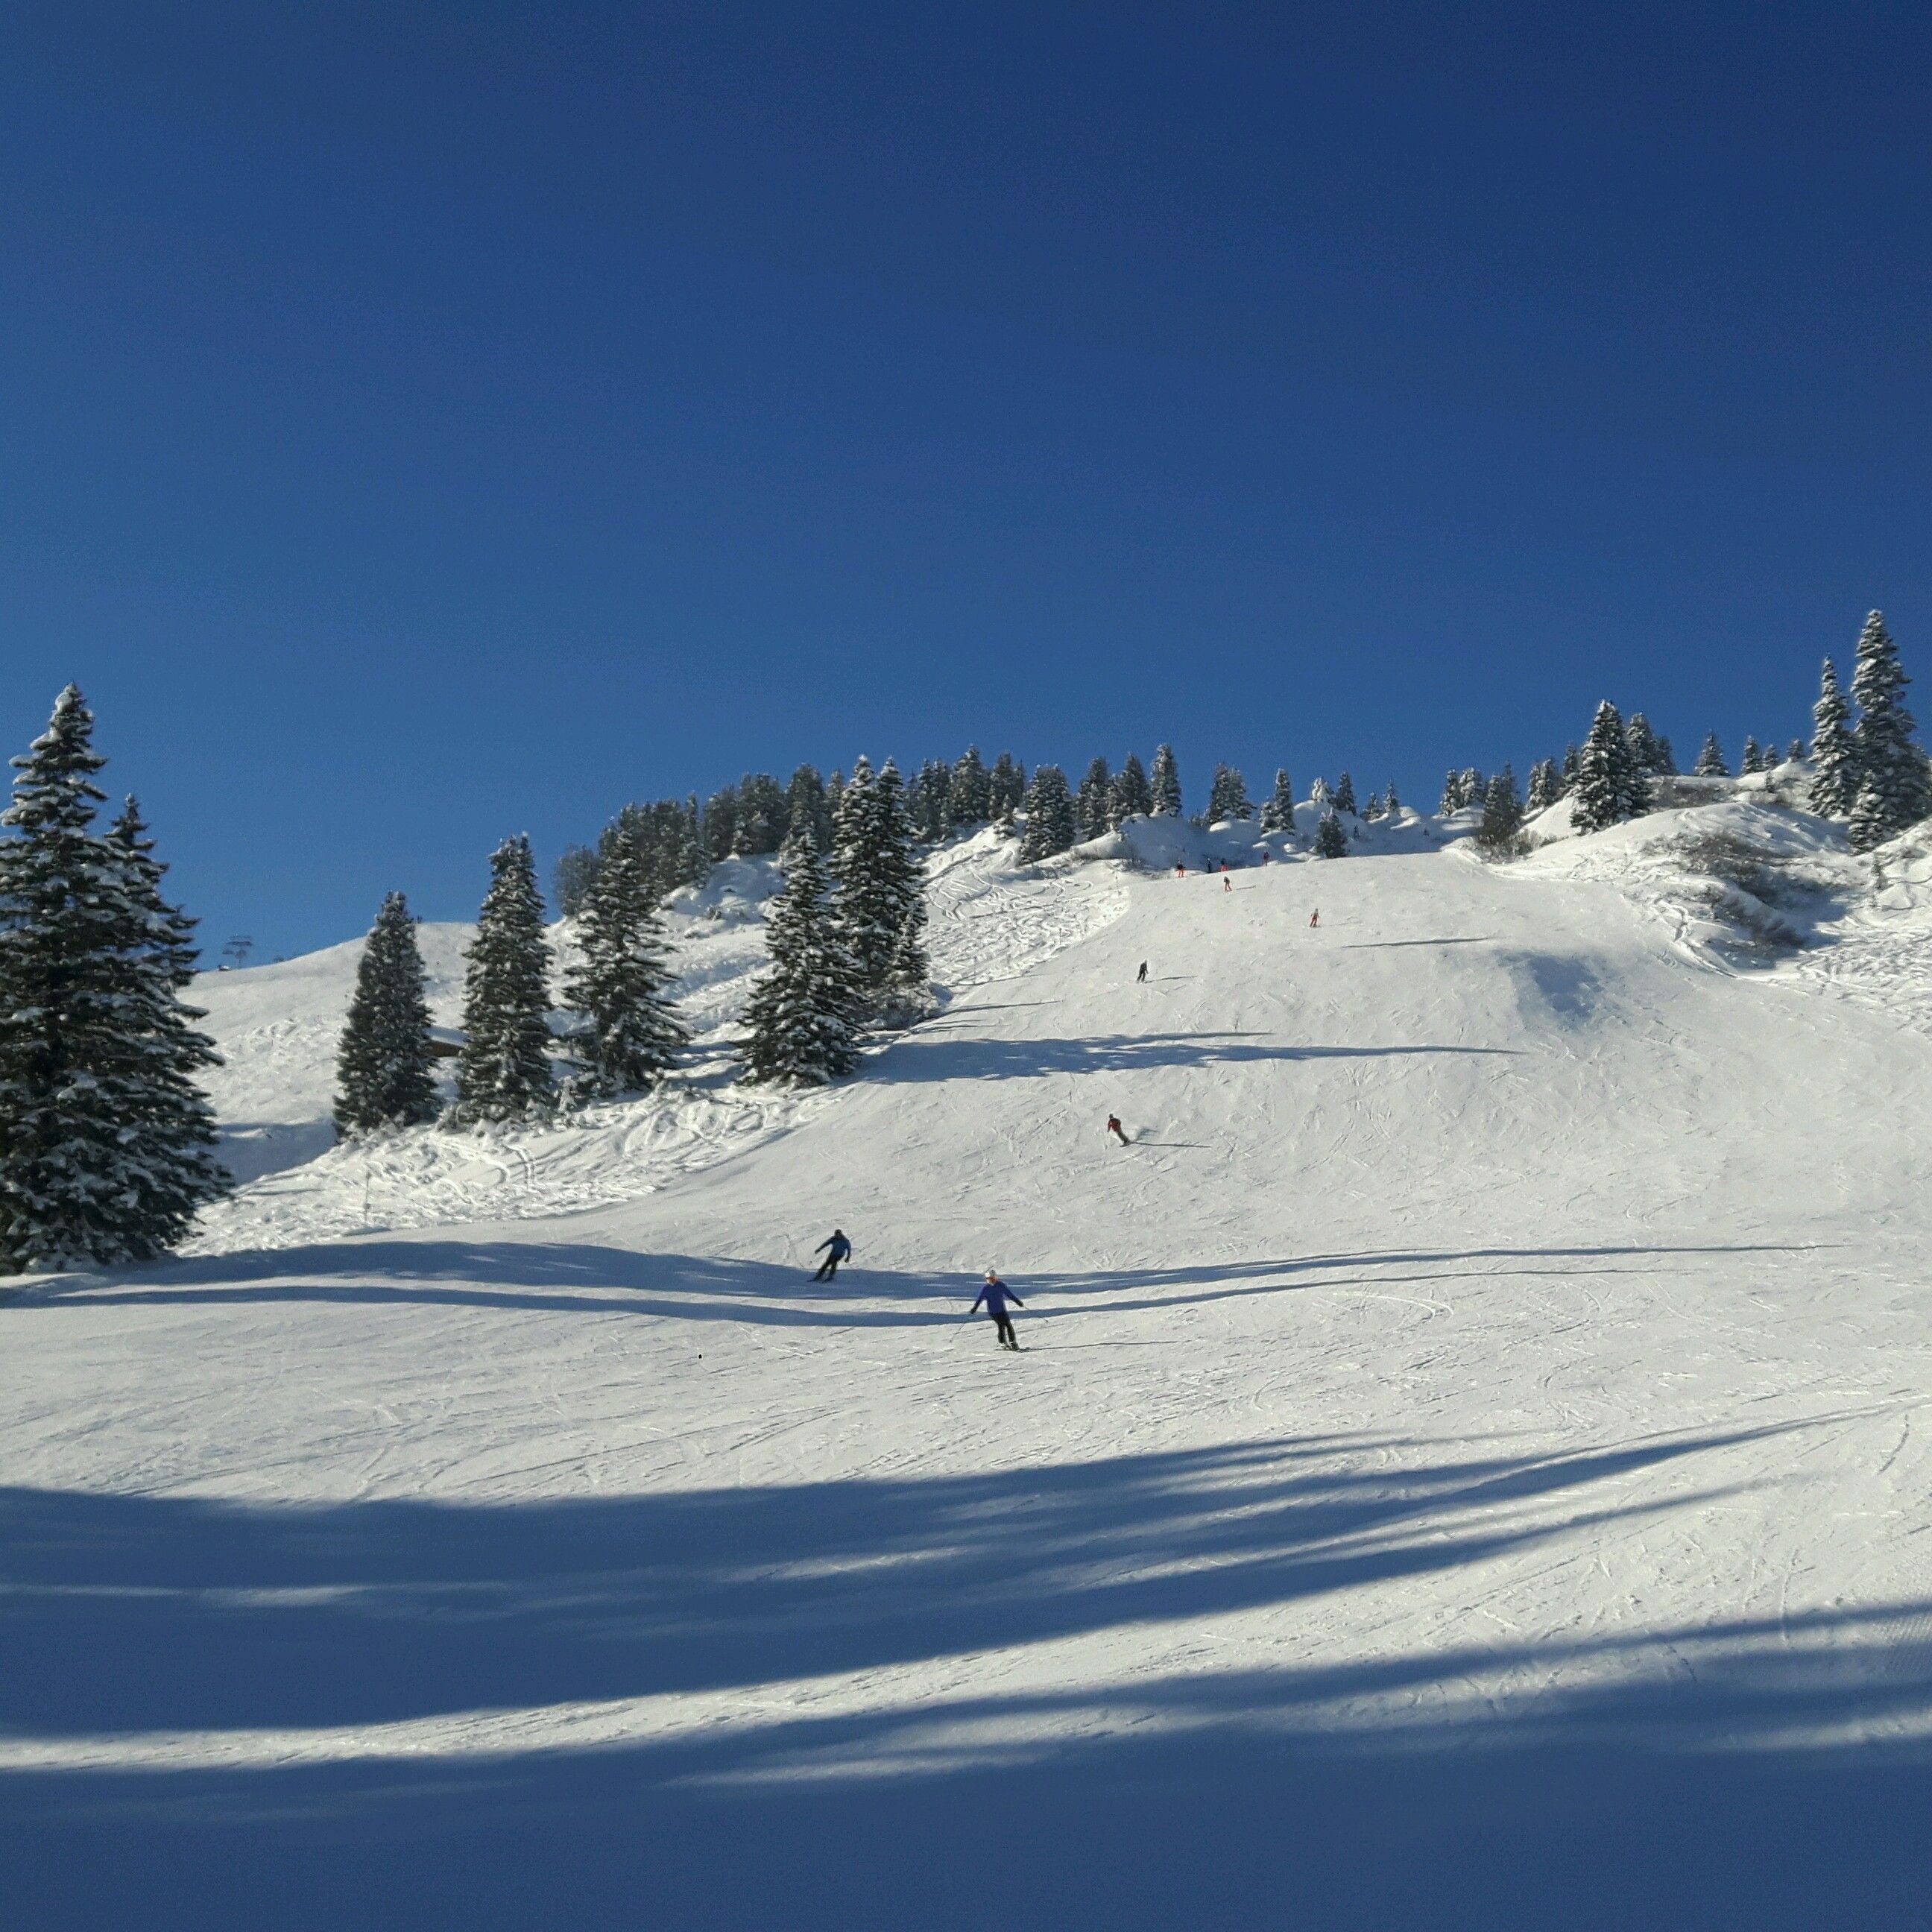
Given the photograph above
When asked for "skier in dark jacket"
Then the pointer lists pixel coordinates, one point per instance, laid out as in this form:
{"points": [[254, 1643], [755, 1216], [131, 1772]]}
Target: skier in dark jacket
{"points": [[1119, 1132], [996, 1294], [837, 1249], [1140, 978]]}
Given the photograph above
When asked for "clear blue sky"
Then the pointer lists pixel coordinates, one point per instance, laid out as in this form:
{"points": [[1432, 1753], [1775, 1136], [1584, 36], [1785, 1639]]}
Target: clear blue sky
{"points": [[424, 423]]}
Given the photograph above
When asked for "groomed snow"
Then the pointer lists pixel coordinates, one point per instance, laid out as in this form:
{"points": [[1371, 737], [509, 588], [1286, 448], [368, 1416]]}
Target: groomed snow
{"points": [[1469, 1467]]}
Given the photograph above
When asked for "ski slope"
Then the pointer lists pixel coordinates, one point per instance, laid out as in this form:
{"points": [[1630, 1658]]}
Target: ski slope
{"points": [[1469, 1467]]}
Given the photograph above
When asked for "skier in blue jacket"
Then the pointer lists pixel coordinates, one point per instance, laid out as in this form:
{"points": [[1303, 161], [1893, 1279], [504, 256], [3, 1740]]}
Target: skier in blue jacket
{"points": [[837, 1249], [996, 1294]]}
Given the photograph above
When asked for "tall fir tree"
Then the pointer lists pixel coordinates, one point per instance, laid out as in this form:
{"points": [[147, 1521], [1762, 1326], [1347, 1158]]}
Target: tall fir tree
{"points": [[1228, 796], [1005, 787], [1345, 793], [1093, 808], [105, 1138], [503, 1072], [1610, 788], [806, 808], [620, 985], [385, 1071], [1391, 804], [1711, 760], [1330, 841], [760, 827], [571, 877], [1133, 797], [803, 1015], [880, 884], [1572, 765], [1794, 752], [1644, 745], [1278, 814], [970, 802], [1165, 786], [1751, 759], [1502, 814], [1543, 784], [1050, 826], [1893, 790]]}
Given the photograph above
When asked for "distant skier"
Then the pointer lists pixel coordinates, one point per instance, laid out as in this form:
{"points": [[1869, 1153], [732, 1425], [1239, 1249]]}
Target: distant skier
{"points": [[1119, 1132], [1140, 978], [1227, 883], [837, 1249], [1315, 917], [996, 1294], [1180, 869]]}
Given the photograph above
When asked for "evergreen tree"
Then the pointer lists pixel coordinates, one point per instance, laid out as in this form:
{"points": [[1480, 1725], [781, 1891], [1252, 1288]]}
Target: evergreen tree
{"points": [[104, 1136], [801, 1016], [720, 828], [1166, 785], [503, 1072], [1050, 828], [1794, 752], [1451, 800], [1711, 760], [1752, 758], [1543, 782], [1502, 814], [971, 801], [1228, 796], [1005, 787], [1391, 804], [1893, 789], [1571, 769], [759, 830], [1610, 788], [1092, 809], [1644, 747], [172, 1120], [806, 808], [1345, 793], [834, 793], [631, 1034], [1373, 809], [1133, 797], [1330, 841], [879, 885], [384, 1073], [1278, 814], [575, 871], [1667, 759]]}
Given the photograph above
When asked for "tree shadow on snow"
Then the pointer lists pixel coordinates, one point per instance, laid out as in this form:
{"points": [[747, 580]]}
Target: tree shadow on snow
{"points": [[1691, 1776], [975, 1057]]}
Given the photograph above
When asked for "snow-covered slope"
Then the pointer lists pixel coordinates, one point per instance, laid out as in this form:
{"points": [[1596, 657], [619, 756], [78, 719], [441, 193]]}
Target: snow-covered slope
{"points": [[1470, 1468]]}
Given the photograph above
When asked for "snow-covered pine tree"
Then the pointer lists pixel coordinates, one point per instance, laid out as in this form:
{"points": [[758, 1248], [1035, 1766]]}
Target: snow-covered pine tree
{"points": [[1050, 828], [685, 861], [971, 801], [1330, 841], [1667, 759], [1005, 787], [761, 828], [1228, 796], [1502, 814], [1373, 809], [1573, 764], [173, 1119], [802, 1017], [1391, 804], [1610, 788], [571, 877], [720, 826], [1165, 786], [1345, 793], [631, 1033], [1133, 797], [880, 884], [906, 991], [1893, 790], [1752, 757], [1711, 760], [1452, 795], [1093, 808], [503, 1072], [384, 1071], [1643, 744], [1543, 782], [805, 806], [1278, 813], [834, 791], [1794, 752], [103, 1136]]}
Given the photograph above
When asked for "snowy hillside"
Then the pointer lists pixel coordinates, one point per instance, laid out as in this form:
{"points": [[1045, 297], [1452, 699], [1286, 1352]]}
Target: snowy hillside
{"points": [[1469, 1467]]}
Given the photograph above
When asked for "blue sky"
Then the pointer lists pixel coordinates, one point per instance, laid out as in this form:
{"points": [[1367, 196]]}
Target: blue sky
{"points": [[422, 423]]}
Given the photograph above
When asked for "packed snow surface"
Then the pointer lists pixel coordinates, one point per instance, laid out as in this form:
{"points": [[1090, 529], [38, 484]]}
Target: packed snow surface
{"points": [[1468, 1466]]}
